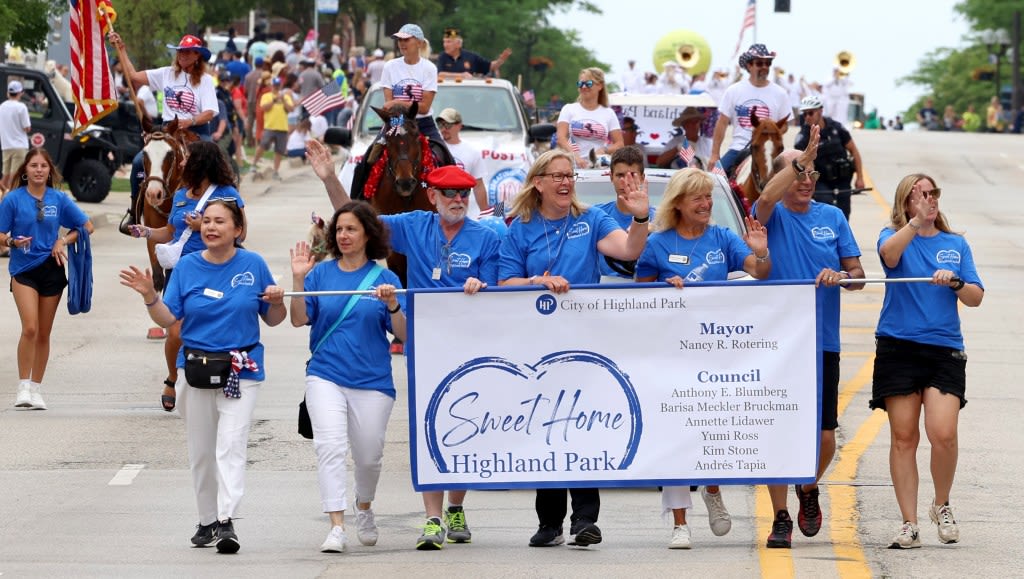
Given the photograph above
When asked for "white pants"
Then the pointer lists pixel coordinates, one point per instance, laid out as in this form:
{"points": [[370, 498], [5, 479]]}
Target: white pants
{"points": [[217, 430], [675, 498], [347, 418]]}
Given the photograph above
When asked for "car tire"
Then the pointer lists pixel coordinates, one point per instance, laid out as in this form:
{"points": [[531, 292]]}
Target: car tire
{"points": [[89, 181]]}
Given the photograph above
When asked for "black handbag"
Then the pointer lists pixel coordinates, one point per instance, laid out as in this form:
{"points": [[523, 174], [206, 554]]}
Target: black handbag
{"points": [[305, 424], [207, 370]]}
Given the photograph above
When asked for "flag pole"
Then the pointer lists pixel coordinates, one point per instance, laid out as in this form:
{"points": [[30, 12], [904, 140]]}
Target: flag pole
{"points": [[122, 55], [755, 22]]}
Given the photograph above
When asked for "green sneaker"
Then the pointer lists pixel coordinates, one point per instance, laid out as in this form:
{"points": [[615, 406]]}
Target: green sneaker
{"points": [[432, 538], [458, 530]]}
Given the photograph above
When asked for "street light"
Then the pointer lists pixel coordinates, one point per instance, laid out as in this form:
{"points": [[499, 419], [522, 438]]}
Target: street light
{"points": [[998, 42]]}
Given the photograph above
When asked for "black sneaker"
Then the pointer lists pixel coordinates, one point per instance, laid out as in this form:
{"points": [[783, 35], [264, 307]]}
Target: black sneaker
{"points": [[205, 534], [809, 517], [585, 533], [547, 537], [227, 540], [782, 531]]}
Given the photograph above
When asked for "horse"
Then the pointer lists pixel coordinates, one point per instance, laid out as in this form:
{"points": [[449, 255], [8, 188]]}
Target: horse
{"points": [[765, 143], [162, 154]]}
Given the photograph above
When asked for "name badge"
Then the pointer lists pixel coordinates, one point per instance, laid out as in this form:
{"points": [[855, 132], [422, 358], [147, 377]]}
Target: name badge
{"points": [[683, 259], [212, 293], [436, 274], [179, 204]]}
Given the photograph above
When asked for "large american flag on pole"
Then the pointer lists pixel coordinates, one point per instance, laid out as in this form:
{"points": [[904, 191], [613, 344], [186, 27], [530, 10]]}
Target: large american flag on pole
{"points": [[327, 98], [749, 21], [92, 83]]}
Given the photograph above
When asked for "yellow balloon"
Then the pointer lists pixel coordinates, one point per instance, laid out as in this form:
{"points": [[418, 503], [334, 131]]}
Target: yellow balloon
{"points": [[667, 49]]}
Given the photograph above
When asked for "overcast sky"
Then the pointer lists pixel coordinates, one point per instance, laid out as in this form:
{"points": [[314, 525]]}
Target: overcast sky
{"points": [[887, 37]]}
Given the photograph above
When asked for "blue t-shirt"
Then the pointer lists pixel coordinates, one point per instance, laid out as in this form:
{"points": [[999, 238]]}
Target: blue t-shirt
{"points": [[802, 244], [565, 247], [357, 353], [22, 215], [719, 247], [473, 252], [623, 220], [922, 312], [219, 304], [182, 204]]}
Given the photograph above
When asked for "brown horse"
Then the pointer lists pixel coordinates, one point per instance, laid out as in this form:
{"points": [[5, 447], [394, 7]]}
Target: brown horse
{"points": [[398, 170], [765, 143], [162, 153]]}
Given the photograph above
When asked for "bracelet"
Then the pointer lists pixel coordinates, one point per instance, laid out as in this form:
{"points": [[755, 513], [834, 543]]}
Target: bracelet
{"points": [[398, 307], [533, 280], [153, 303], [641, 220], [913, 226], [959, 285], [767, 256]]}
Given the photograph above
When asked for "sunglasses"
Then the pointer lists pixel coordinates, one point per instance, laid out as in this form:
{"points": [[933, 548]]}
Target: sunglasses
{"points": [[584, 83], [446, 257], [761, 63], [805, 175], [231, 200], [451, 193], [934, 193], [40, 205]]}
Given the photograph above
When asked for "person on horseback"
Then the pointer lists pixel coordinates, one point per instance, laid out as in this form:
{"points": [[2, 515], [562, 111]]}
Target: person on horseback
{"points": [[189, 98], [756, 96]]}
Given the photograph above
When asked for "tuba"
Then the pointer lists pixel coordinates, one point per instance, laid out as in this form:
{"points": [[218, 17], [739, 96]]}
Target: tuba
{"points": [[844, 62], [687, 55]]}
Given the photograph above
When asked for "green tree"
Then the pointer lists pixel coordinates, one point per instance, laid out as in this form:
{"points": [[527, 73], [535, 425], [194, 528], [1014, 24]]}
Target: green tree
{"points": [[984, 14], [24, 23], [147, 26]]}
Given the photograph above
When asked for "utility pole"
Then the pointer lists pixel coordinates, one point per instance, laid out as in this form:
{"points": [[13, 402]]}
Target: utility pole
{"points": [[1015, 59]]}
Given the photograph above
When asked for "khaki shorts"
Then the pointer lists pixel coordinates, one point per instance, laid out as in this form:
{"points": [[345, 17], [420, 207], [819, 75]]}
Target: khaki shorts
{"points": [[13, 158]]}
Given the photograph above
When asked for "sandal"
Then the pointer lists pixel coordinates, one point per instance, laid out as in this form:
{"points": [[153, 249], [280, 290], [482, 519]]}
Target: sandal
{"points": [[168, 401]]}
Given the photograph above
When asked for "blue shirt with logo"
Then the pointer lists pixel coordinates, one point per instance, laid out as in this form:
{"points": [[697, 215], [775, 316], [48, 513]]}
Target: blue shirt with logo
{"points": [[22, 215], [565, 247], [802, 244], [219, 304], [183, 204], [473, 252], [719, 247], [357, 353], [623, 220], [923, 312]]}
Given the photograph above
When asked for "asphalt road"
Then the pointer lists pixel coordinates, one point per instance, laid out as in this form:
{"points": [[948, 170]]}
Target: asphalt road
{"points": [[60, 516]]}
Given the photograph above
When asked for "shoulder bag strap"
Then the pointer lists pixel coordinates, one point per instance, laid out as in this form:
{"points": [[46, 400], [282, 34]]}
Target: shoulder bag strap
{"points": [[371, 276]]}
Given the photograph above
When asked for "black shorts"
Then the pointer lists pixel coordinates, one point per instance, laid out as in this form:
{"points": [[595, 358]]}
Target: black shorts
{"points": [[829, 390], [48, 278], [903, 367]]}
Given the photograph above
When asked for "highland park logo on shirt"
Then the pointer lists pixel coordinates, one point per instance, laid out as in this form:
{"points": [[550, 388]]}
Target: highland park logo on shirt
{"points": [[243, 279], [716, 256], [581, 229], [948, 256], [823, 232]]}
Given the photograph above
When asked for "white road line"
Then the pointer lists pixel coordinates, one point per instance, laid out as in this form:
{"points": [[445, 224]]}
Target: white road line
{"points": [[126, 475]]}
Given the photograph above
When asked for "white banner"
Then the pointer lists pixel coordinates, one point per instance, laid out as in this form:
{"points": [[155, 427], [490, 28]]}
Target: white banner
{"points": [[614, 386]]}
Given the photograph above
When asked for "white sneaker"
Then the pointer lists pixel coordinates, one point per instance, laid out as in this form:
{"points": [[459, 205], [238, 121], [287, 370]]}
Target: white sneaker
{"points": [[680, 537], [335, 541], [942, 516], [37, 399], [907, 538], [24, 399], [718, 517], [366, 528]]}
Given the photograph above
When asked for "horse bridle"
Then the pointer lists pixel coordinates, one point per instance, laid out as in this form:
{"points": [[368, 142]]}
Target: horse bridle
{"points": [[177, 148], [759, 183]]}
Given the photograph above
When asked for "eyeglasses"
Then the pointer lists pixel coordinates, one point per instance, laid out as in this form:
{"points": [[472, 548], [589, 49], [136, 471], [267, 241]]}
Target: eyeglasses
{"points": [[585, 83], [761, 63], [934, 193], [40, 205], [559, 177], [451, 193], [805, 175]]}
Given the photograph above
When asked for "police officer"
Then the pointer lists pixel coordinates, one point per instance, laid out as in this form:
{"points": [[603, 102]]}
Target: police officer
{"points": [[838, 157], [455, 60]]}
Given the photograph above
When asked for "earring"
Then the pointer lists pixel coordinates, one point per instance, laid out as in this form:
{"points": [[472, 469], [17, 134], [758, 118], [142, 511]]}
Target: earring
{"points": [[24, 177]]}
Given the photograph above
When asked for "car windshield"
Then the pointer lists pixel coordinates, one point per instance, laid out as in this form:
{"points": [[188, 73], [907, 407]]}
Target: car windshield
{"points": [[483, 107]]}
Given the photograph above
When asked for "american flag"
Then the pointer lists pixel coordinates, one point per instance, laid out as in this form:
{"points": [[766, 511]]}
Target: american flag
{"points": [[92, 83], [749, 21], [327, 98], [718, 170], [686, 154]]}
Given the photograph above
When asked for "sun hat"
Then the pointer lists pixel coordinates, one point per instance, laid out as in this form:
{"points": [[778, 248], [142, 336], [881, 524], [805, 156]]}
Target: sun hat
{"points": [[189, 42]]}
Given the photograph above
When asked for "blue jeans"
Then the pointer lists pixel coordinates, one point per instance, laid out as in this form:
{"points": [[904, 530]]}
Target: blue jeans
{"points": [[729, 159]]}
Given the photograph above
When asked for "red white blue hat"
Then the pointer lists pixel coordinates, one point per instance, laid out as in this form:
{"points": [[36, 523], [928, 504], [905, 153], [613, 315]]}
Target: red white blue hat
{"points": [[189, 42], [755, 51]]}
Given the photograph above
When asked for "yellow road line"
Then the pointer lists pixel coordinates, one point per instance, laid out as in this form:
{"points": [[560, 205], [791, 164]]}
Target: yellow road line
{"points": [[856, 384]]}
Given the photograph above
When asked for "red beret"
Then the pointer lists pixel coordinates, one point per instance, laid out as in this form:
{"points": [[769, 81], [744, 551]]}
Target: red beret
{"points": [[450, 177]]}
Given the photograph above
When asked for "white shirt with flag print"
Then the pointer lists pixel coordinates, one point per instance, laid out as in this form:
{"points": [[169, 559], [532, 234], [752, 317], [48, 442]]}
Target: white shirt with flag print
{"points": [[408, 82], [589, 129], [181, 99], [743, 98]]}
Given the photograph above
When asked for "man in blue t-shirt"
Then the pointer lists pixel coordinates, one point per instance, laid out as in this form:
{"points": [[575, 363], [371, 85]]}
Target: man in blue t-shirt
{"points": [[809, 240], [626, 162]]}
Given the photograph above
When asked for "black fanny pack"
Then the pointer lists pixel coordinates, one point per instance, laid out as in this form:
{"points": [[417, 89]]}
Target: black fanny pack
{"points": [[209, 370]]}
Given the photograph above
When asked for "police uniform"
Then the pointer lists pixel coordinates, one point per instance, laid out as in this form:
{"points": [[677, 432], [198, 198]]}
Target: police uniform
{"points": [[833, 161]]}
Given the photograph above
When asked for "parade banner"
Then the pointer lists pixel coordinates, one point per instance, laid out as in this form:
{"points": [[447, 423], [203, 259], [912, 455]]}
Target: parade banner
{"points": [[614, 386]]}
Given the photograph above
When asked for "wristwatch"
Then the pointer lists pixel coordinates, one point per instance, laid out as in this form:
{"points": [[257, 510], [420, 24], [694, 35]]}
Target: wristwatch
{"points": [[10, 242], [797, 167]]}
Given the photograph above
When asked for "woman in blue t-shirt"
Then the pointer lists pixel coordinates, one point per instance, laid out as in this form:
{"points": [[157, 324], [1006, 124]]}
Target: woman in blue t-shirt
{"points": [[687, 247], [219, 295], [349, 387], [920, 362], [555, 241], [205, 166], [30, 220]]}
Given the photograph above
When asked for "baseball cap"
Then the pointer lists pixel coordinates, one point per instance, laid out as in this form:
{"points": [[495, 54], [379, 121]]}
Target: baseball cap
{"points": [[450, 177], [258, 61], [378, 53], [409, 31], [276, 81], [450, 116], [14, 87]]}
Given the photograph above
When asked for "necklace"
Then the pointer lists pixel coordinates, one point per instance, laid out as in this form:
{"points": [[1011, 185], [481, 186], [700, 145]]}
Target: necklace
{"points": [[558, 232], [676, 257]]}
